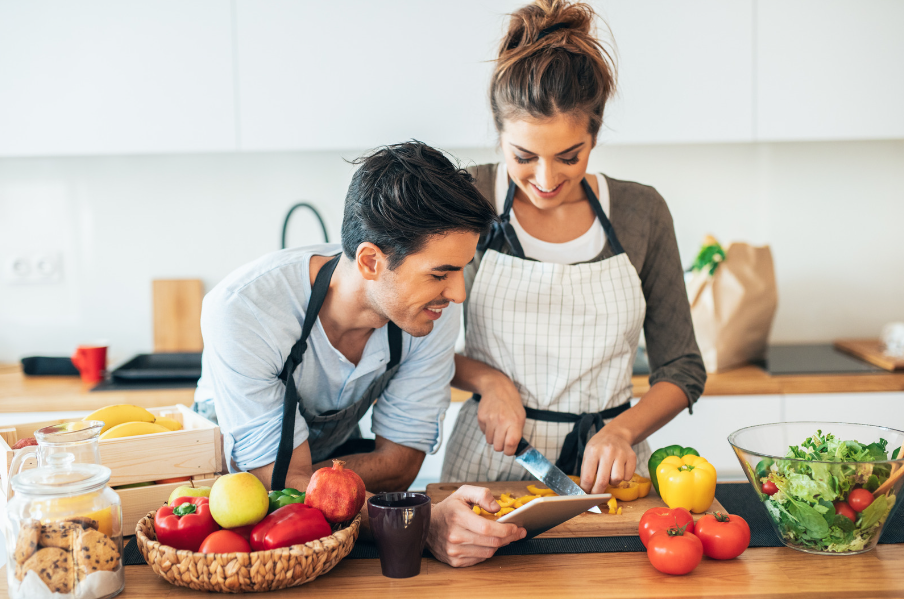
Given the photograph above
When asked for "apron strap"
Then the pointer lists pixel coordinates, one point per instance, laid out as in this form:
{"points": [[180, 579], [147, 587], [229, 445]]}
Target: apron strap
{"points": [[290, 400], [503, 227], [395, 345]]}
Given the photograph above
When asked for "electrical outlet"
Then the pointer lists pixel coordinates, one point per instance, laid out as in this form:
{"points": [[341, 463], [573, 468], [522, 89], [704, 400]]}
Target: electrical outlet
{"points": [[36, 267]]}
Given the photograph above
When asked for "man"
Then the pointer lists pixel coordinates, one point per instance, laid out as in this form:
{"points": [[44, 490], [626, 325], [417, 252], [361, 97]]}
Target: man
{"points": [[300, 343]]}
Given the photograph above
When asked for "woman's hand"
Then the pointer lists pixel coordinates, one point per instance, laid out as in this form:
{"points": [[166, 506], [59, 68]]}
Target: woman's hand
{"points": [[608, 460], [459, 537], [500, 414]]}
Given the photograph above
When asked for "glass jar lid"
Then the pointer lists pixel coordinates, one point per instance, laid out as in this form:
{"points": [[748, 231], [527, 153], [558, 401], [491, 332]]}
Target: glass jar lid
{"points": [[69, 432], [61, 476]]}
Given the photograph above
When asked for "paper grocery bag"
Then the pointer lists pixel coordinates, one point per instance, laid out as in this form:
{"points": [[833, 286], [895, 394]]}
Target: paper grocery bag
{"points": [[733, 308]]}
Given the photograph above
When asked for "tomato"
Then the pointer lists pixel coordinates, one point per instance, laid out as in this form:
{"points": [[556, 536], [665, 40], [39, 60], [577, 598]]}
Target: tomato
{"points": [[661, 518], [224, 541], [841, 507], [723, 536], [674, 551], [769, 488], [859, 499]]}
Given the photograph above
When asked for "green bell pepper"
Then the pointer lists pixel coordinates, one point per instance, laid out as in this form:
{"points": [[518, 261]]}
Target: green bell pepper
{"points": [[663, 453], [283, 498]]}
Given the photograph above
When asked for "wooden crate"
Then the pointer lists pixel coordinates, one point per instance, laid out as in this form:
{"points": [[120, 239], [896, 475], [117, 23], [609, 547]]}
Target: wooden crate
{"points": [[196, 450], [136, 503]]}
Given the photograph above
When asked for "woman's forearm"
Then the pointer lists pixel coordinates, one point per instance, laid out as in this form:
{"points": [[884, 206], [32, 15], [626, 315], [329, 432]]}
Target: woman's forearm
{"points": [[474, 376], [655, 409]]}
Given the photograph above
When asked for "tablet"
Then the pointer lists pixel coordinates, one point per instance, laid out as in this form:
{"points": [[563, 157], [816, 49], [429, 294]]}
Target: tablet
{"points": [[544, 513]]}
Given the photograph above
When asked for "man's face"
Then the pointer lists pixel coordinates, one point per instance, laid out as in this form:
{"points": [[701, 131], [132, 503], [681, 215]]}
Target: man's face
{"points": [[414, 294]]}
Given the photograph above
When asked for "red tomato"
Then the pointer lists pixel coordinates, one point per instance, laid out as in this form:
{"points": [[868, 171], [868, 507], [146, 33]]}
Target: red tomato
{"points": [[224, 541], [723, 536], [841, 507], [662, 518], [769, 488], [674, 554], [859, 499]]}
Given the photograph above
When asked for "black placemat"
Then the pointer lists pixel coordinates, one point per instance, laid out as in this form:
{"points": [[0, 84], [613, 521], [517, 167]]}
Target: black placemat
{"points": [[736, 498]]}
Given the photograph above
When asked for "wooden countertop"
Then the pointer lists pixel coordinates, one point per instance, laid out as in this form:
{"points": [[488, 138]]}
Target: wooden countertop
{"points": [[20, 393], [761, 572]]}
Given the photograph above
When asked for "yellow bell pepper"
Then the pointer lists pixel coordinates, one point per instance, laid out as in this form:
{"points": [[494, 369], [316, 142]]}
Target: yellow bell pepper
{"points": [[525, 499], [506, 500], [688, 481], [626, 490], [644, 484], [613, 504]]}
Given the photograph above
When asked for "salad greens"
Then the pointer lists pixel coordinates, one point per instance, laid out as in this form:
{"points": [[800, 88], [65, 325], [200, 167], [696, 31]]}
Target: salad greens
{"points": [[803, 507]]}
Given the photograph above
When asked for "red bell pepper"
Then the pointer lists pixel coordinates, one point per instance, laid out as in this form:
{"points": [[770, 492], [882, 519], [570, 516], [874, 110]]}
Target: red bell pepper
{"points": [[293, 524], [185, 524]]}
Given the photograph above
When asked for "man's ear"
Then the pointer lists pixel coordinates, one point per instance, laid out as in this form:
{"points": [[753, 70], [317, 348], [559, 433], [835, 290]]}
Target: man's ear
{"points": [[370, 261]]}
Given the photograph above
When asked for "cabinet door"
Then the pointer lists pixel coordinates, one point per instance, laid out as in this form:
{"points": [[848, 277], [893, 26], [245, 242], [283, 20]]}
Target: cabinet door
{"points": [[714, 418], [830, 69], [880, 409], [104, 77], [685, 71], [354, 75]]}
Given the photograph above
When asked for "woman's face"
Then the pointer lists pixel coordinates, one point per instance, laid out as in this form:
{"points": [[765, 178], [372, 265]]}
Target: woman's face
{"points": [[547, 159]]}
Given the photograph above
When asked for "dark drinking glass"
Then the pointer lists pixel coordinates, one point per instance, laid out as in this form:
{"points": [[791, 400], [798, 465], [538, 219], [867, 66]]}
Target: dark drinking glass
{"points": [[399, 522]]}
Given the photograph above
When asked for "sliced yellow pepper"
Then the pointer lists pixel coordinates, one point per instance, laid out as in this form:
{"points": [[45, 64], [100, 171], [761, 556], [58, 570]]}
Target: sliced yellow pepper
{"points": [[506, 500], [613, 504], [476, 509], [688, 481], [643, 483], [525, 499], [504, 511], [626, 490], [540, 492], [619, 511]]}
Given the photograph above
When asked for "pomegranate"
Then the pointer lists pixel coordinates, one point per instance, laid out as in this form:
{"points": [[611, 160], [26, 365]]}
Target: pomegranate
{"points": [[337, 492], [25, 442]]}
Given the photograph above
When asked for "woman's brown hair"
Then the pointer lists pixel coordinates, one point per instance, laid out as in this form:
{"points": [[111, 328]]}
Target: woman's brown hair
{"points": [[550, 62]]}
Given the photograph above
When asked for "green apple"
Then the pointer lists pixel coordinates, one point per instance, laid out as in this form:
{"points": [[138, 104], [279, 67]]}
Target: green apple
{"points": [[238, 500], [188, 491]]}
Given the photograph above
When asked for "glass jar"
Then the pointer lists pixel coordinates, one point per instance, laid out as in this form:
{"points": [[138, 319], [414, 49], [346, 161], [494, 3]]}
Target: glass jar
{"points": [[64, 532]]}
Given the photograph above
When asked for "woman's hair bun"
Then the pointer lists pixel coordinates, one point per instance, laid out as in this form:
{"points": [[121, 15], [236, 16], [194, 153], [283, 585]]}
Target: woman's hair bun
{"points": [[550, 61]]}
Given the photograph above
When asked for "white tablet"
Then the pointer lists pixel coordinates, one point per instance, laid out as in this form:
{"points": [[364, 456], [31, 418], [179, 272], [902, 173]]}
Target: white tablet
{"points": [[544, 513]]}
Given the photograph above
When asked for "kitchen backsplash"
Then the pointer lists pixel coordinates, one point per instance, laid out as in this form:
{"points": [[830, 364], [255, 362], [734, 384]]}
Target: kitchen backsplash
{"points": [[832, 212]]}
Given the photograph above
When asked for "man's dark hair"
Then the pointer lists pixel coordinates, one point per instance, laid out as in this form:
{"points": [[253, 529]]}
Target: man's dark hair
{"points": [[405, 193]]}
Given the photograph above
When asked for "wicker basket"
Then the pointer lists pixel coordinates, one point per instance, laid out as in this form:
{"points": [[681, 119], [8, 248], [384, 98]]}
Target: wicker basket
{"points": [[245, 572]]}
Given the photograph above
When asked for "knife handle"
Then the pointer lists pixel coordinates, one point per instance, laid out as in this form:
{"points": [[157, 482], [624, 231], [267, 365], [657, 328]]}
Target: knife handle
{"points": [[522, 445]]}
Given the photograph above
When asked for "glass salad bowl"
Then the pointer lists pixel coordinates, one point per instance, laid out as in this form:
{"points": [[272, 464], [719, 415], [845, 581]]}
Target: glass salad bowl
{"points": [[828, 487]]}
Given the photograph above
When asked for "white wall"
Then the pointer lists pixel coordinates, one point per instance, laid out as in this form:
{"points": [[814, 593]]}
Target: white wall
{"points": [[832, 212]]}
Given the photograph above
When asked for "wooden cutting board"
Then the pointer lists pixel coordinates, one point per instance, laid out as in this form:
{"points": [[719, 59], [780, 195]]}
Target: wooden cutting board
{"points": [[871, 351], [584, 525]]}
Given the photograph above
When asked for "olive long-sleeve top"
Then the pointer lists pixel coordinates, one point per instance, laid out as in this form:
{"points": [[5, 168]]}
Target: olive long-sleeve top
{"points": [[644, 227]]}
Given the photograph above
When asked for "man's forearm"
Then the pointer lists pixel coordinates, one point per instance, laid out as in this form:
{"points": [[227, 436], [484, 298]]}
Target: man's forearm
{"points": [[382, 471]]}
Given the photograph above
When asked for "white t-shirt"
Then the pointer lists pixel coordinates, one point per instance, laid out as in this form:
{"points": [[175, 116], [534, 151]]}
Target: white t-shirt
{"points": [[581, 249]]}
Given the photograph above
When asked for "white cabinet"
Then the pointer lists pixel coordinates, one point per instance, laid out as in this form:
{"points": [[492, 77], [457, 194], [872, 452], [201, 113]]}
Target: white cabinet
{"points": [[880, 409], [829, 69], [111, 77], [354, 75], [685, 71]]}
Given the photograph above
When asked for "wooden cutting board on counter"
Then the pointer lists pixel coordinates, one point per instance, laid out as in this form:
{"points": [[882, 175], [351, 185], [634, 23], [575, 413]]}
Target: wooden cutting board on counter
{"points": [[585, 525]]}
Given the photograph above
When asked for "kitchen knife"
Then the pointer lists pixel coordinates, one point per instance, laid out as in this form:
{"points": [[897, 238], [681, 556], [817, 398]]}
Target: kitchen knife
{"points": [[546, 472]]}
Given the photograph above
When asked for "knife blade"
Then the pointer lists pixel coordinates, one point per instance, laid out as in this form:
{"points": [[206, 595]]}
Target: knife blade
{"points": [[547, 472]]}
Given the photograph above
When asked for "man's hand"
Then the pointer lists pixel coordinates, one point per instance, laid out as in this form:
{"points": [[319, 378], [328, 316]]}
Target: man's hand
{"points": [[500, 415], [608, 460], [459, 537]]}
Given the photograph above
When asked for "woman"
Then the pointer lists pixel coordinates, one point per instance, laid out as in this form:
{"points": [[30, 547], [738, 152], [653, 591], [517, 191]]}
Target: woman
{"points": [[560, 289]]}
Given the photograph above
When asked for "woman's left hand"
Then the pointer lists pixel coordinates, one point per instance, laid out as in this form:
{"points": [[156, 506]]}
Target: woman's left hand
{"points": [[608, 460]]}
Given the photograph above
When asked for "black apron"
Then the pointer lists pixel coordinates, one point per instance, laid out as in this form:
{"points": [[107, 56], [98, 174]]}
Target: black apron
{"points": [[585, 425], [324, 429]]}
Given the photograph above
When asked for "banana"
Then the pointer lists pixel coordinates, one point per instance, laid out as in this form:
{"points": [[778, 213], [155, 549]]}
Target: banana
{"points": [[173, 425], [118, 414], [130, 429]]}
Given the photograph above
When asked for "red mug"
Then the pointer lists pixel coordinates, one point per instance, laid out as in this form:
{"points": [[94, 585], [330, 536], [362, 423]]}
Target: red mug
{"points": [[91, 361]]}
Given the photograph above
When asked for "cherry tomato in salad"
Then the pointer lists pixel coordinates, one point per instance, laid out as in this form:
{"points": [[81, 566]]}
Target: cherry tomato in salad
{"points": [[860, 499], [723, 536], [224, 541], [769, 488], [842, 508], [662, 518], [674, 551]]}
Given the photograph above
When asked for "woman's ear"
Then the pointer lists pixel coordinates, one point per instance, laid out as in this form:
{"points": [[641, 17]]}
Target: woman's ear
{"points": [[370, 261]]}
